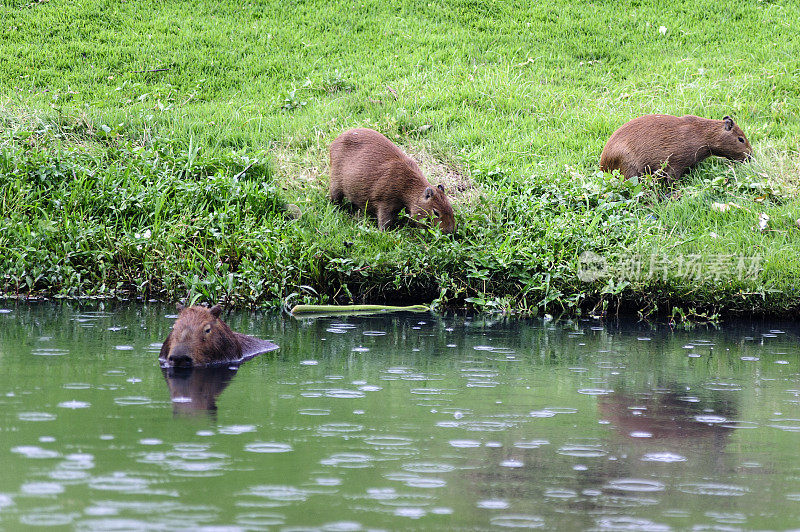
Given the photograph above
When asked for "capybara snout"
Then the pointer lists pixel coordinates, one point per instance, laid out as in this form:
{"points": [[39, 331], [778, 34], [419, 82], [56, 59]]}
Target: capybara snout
{"points": [[373, 174], [179, 356], [434, 206]]}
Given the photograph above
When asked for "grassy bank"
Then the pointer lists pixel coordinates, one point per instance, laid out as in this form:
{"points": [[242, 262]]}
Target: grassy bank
{"points": [[152, 148]]}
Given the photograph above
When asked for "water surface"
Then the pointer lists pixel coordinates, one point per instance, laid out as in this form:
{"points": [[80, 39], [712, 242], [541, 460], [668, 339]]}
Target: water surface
{"points": [[398, 422]]}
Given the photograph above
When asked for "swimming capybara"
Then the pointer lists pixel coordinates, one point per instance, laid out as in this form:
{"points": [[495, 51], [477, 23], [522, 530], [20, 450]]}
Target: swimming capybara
{"points": [[200, 338], [373, 174], [650, 143]]}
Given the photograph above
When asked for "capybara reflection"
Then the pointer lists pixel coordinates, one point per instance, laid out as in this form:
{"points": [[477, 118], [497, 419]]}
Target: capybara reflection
{"points": [[667, 416], [373, 174], [195, 390], [200, 338], [653, 144]]}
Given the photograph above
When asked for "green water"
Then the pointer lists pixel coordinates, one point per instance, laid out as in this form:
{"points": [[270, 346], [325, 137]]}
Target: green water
{"points": [[398, 422]]}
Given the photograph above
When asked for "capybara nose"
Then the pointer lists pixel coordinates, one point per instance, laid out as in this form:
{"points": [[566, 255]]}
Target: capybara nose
{"points": [[179, 360]]}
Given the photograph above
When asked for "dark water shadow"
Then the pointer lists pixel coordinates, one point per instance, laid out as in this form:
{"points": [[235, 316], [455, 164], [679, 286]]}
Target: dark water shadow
{"points": [[194, 391], [667, 423], [661, 424], [668, 417]]}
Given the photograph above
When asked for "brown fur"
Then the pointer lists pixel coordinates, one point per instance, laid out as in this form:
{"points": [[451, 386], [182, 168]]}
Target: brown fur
{"points": [[646, 144], [200, 338], [373, 174]]}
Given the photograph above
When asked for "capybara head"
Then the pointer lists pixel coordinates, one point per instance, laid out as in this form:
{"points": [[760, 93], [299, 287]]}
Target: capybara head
{"points": [[200, 338], [728, 141], [434, 205]]}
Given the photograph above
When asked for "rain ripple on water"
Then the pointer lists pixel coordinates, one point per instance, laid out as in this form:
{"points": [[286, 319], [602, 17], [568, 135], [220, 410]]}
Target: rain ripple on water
{"points": [[267, 447], [236, 429], [189, 460], [35, 416], [32, 451], [517, 521], [634, 484], [710, 488], [47, 518], [348, 460], [42, 488], [74, 404], [334, 429], [478, 426], [344, 394], [49, 352], [530, 444], [260, 520], [465, 444], [582, 451], [282, 494], [388, 441], [428, 467], [788, 425], [626, 523], [664, 457], [416, 481], [120, 481]]}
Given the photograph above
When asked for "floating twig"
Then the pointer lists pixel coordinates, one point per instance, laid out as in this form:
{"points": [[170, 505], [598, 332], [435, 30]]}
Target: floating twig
{"points": [[321, 310]]}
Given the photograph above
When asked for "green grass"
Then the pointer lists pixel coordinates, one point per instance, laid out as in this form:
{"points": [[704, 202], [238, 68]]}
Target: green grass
{"points": [[127, 117]]}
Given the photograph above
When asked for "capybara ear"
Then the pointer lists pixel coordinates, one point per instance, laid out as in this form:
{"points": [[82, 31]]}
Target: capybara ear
{"points": [[215, 310], [428, 193], [728, 123], [441, 187], [179, 306]]}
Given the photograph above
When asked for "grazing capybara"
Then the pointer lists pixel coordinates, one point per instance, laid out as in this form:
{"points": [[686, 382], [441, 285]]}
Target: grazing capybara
{"points": [[374, 175], [200, 338], [649, 143]]}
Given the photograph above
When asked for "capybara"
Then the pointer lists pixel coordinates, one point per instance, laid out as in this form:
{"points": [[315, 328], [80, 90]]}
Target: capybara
{"points": [[650, 143], [200, 338], [373, 174]]}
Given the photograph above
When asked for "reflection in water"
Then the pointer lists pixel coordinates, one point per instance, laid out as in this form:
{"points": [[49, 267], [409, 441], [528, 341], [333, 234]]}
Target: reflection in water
{"points": [[618, 468], [670, 418], [398, 422], [669, 426], [195, 390]]}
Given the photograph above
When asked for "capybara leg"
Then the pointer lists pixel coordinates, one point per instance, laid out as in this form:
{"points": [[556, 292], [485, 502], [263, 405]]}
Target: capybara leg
{"points": [[630, 171], [384, 218], [336, 194]]}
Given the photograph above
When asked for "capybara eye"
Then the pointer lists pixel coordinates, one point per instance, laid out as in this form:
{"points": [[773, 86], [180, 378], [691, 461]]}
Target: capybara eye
{"points": [[208, 329], [741, 139]]}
